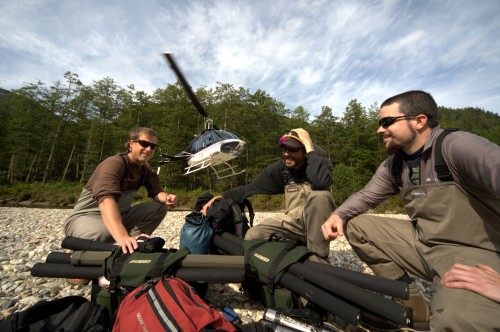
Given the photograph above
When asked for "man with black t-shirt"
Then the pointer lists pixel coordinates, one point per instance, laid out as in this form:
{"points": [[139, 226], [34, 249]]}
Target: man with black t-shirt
{"points": [[304, 175]]}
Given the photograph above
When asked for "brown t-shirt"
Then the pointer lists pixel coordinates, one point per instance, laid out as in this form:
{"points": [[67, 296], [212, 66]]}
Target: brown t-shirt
{"points": [[118, 174], [114, 177]]}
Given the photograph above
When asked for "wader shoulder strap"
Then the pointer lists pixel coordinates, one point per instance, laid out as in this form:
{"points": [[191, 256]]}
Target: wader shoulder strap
{"points": [[440, 166], [285, 176], [397, 170], [442, 169]]}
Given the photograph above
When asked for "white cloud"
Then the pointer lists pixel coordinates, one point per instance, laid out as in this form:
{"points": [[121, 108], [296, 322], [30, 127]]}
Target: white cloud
{"points": [[309, 53]]}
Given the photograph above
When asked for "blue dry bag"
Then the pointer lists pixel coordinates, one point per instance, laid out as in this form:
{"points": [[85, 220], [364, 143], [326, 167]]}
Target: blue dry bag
{"points": [[196, 234]]}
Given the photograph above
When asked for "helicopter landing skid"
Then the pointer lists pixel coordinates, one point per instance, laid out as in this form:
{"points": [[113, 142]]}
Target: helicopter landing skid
{"points": [[229, 168], [194, 168]]}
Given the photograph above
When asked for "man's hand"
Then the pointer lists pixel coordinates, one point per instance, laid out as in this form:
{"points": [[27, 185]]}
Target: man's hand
{"points": [[333, 227], [305, 139], [168, 199], [205, 207], [128, 244], [171, 201], [481, 279]]}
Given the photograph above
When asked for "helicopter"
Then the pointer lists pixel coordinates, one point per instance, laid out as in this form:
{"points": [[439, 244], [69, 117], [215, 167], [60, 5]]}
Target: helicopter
{"points": [[210, 148]]}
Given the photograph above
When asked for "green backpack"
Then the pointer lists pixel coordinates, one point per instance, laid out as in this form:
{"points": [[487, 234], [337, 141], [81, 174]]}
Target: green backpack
{"points": [[125, 272], [265, 263]]}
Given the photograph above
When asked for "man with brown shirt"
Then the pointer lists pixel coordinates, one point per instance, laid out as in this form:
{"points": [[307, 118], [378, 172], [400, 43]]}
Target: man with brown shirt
{"points": [[453, 220], [104, 210]]}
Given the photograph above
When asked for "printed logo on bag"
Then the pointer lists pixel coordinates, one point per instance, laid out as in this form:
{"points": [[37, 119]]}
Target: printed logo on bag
{"points": [[140, 261], [419, 193], [262, 258], [292, 189], [141, 322]]}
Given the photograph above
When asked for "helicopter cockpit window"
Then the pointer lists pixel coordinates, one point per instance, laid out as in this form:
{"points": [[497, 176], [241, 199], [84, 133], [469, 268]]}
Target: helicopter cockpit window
{"points": [[209, 137]]}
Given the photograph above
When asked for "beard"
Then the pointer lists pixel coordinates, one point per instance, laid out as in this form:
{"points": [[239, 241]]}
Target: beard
{"points": [[397, 144], [294, 163]]}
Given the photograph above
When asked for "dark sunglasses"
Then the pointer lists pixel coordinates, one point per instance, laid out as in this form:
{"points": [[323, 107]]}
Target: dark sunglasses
{"points": [[289, 149], [389, 120], [146, 144]]}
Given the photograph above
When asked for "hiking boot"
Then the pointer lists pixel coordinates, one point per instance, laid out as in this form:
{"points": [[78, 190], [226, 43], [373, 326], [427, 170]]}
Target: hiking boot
{"points": [[420, 312]]}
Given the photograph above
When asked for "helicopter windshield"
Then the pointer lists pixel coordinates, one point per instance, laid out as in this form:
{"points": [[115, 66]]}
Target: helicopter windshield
{"points": [[209, 137]]}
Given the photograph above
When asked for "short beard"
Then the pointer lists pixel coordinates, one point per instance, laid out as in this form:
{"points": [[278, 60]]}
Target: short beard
{"points": [[394, 148]]}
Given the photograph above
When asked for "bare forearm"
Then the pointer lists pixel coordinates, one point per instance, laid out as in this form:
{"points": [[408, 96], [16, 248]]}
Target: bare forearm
{"points": [[112, 219]]}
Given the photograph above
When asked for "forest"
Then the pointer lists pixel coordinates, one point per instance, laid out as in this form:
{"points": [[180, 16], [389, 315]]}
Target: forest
{"points": [[60, 132]]}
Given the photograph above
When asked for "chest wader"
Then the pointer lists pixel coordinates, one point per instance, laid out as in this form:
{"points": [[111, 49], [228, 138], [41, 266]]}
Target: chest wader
{"points": [[86, 219], [143, 217], [295, 198], [125, 201], [307, 210], [454, 225]]}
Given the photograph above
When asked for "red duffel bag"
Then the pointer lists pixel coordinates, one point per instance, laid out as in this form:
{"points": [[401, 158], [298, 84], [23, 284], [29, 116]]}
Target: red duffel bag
{"points": [[168, 304]]}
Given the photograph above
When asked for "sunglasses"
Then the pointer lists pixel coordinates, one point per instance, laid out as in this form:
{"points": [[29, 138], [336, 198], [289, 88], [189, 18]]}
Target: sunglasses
{"points": [[146, 144], [389, 120], [290, 149]]}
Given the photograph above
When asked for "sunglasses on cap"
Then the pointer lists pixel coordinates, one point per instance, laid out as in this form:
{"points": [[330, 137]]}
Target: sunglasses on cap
{"points": [[389, 120], [146, 144]]}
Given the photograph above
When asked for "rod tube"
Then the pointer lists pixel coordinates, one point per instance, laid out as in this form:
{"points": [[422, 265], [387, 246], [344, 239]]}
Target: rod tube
{"points": [[58, 257], [54, 270], [380, 305], [233, 245], [321, 298], [89, 258], [394, 288], [74, 243], [96, 258], [208, 261], [227, 246], [209, 275]]}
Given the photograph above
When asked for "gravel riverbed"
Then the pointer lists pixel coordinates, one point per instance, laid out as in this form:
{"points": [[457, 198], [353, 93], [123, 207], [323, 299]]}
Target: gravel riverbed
{"points": [[28, 235]]}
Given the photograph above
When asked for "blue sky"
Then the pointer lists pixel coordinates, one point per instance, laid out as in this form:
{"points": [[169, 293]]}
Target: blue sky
{"points": [[308, 53]]}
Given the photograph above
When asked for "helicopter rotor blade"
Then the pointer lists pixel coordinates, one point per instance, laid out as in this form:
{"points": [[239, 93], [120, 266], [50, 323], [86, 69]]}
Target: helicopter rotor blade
{"points": [[185, 84]]}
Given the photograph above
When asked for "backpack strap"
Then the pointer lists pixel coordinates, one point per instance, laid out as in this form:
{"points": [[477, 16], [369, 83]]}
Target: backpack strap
{"points": [[442, 169], [276, 254], [273, 270], [251, 213], [440, 166], [397, 170], [161, 311], [249, 275]]}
